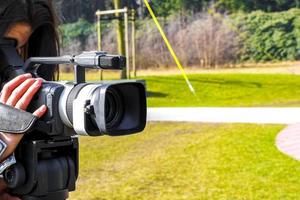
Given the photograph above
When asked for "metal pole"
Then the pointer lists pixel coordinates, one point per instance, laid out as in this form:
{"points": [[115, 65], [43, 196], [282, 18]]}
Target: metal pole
{"points": [[99, 29], [133, 42], [120, 32], [126, 43], [99, 37], [120, 35]]}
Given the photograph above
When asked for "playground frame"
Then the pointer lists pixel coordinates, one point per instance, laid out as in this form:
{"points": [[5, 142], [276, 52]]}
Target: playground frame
{"points": [[125, 12]]}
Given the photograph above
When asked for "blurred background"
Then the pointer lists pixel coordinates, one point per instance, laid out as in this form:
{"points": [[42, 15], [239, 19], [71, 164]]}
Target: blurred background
{"points": [[204, 33], [236, 53]]}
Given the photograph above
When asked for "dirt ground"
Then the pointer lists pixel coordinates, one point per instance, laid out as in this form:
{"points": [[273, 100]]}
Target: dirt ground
{"points": [[268, 68]]}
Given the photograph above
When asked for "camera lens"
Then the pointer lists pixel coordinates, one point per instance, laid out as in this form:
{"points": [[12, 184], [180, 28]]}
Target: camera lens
{"points": [[114, 108], [105, 108]]}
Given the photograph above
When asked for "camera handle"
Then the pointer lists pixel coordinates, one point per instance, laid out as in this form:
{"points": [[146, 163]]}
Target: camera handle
{"points": [[34, 63], [46, 169], [92, 60]]}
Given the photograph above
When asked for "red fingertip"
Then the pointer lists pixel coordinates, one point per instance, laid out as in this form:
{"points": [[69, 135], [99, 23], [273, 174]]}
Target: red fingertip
{"points": [[28, 75], [40, 79], [43, 108]]}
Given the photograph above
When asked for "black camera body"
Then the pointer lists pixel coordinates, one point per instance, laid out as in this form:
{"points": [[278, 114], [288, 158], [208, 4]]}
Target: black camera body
{"points": [[47, 157], [49, 95]]}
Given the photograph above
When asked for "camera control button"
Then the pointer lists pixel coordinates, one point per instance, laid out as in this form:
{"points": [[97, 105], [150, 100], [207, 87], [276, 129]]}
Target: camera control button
{"points": [[49, 104]]}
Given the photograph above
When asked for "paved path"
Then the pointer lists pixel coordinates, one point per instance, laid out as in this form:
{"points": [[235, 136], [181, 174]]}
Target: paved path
{"points": [[226, 115], [287, 141]]}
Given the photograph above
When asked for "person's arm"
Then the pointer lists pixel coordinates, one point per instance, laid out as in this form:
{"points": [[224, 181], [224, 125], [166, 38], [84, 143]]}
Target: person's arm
{"points": [[18, 93], [3, 193]]}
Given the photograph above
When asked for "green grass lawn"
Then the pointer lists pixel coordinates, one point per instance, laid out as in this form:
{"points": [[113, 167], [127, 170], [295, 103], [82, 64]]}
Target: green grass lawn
{"points": [[220, 90], [225, 90], [188, 161], [193, 160]]}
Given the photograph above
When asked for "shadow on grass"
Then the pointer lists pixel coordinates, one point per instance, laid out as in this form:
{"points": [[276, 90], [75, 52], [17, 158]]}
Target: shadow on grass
{"points": [[230, 82], [156, 94], [213, 81]]}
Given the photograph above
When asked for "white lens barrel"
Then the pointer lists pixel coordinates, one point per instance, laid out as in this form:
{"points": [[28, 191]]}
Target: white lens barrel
{"points": [[79, 108], [63, 105]]}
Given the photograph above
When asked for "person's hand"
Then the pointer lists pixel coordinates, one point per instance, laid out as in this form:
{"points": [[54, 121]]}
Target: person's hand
{"points": [[17, 93], [3, 193], [20, 91]]}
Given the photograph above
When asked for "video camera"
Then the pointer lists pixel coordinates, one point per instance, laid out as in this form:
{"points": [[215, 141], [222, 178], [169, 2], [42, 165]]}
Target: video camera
{"points": [[47, 157]]}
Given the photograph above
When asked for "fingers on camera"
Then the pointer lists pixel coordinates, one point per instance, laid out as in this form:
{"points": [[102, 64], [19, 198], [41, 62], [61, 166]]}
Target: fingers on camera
{"points": [[19, 92], [28, 95], [11, 85], [41, 111]]}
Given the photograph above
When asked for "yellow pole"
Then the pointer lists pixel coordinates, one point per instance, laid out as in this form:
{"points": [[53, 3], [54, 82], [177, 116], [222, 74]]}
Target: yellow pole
{"points": [[126, 43], [169, 47], [99, 31], [133, 42], [120, 35], [99, 37]]}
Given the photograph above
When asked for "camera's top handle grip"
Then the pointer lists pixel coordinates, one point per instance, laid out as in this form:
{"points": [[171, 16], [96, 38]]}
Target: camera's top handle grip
{"points": [[33, 63], [92, 59]]}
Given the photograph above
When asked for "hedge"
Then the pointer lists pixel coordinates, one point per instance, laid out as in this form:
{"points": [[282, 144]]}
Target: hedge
{"points": [[268, 36]]}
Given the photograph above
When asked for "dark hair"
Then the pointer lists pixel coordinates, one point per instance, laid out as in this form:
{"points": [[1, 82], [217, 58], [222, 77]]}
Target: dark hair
{"points": [[44, 39]]}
